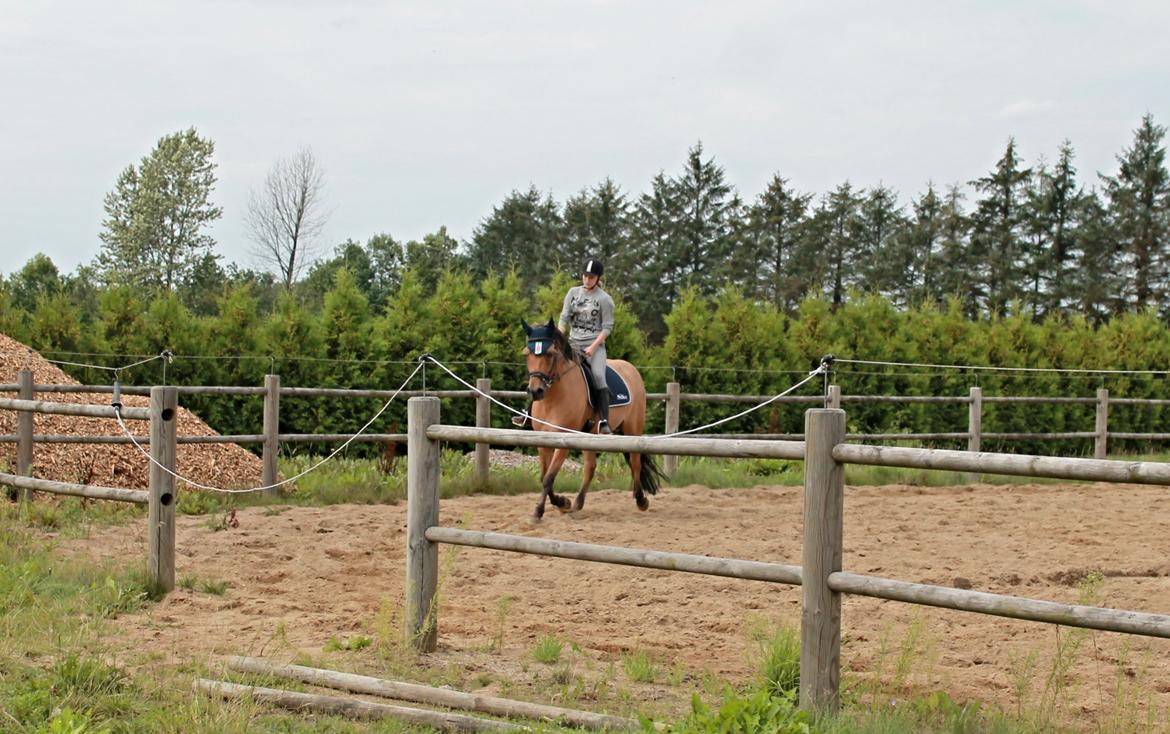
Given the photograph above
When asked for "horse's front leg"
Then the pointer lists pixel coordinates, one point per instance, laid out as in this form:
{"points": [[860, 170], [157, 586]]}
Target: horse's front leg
{"points": [[590, 461], [545, 460], [548, 477]]}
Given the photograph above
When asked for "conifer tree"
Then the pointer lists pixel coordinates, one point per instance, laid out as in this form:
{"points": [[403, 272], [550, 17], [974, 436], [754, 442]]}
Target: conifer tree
{"points": [[1051, 225], [995, 233], [880, 255], [770, 263], [656, 230], [524, 233], [838, 229], [1139, 207]]}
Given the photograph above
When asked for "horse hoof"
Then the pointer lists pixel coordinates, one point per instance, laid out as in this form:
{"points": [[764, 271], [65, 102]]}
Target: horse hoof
{"points": [[643, 503], [565, 508], [537, 514], [579, 504]]}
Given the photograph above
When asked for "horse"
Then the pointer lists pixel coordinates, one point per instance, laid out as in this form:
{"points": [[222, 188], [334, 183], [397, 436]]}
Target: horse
{"points": [[560, 401]]}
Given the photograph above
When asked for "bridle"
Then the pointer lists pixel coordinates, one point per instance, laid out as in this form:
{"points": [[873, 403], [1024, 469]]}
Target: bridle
{"points": [[547, 380]]}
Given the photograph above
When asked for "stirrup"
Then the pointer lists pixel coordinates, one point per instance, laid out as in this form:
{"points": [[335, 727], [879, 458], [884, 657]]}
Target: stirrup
{"points": [[603, 427], [521, 420]]}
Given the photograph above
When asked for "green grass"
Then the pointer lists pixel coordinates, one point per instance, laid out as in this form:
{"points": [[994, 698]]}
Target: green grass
{"points": [[548, 650], [639, 666]]}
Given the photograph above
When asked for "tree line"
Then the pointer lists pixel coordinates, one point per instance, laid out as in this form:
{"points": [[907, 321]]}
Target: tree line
{"points": [[1033, 239], [706, 281]]}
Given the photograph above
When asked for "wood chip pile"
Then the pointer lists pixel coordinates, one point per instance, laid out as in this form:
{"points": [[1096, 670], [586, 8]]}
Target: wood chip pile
{"points": [[111, 465]]}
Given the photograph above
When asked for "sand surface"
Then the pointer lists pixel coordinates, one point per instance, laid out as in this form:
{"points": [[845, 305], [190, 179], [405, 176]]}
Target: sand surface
{"points": [[299, 577]]}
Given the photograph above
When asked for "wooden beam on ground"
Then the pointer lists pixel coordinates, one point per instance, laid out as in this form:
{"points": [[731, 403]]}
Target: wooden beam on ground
{"points": [[431, 695], [353, 708]]}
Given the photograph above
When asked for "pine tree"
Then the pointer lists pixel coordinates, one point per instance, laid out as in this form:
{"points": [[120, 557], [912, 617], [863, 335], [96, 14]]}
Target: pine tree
{"points": [[1139, 207], [881, 255], [996, 225], [956, 274], [1050, 224], [656, 230], [839, 265], [1096, 278], [597, 224], [707, 208], [525, 233], [919, 243], [770, 265]]}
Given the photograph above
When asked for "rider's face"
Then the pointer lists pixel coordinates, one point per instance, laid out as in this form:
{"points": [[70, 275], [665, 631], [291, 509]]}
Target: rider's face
{"points": [[589, 280]]}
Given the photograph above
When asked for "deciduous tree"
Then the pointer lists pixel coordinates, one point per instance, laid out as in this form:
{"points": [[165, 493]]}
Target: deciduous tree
{"points": [[156, 215]]}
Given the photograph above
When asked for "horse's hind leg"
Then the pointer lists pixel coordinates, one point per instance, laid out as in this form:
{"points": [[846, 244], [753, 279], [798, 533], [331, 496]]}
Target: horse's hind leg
{"points": [[635, 462], [590, 461]]}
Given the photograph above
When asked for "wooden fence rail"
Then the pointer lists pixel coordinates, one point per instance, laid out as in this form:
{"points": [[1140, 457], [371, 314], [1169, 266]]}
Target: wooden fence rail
{"points": [[820, 575], [272, 393], [161, 496]]}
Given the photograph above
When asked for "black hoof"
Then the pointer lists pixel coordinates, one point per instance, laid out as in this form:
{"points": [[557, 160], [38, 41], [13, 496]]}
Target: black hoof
{"points": [[538, 513], [579, 503], [643, 503]]}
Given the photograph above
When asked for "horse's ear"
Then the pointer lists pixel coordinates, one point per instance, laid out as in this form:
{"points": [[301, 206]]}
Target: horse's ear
{"points": [[527, 328], [551, 325]]}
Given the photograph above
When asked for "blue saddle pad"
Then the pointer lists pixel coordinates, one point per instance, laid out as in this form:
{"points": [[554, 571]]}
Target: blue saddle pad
{"points": [[619, 391]]}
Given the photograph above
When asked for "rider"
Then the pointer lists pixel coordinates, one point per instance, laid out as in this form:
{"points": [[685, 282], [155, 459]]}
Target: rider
{"points": [[589, 311]]}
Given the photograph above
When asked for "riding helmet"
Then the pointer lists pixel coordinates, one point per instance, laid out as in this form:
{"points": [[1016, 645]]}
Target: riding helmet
{"points": [[594, 267]]}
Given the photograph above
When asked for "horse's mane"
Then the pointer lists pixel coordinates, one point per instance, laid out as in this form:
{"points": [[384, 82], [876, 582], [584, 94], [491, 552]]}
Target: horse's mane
{"points": [[561, 344]]}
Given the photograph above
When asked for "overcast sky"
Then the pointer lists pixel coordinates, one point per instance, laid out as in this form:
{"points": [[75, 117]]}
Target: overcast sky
{"points": [[426, 114]]}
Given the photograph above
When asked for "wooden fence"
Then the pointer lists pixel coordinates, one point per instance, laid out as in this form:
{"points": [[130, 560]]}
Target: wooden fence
{"points": [[272, 392], [825, 454], [160, 498]]}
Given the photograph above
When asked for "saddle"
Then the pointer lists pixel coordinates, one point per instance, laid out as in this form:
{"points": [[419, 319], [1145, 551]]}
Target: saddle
{"points": [[619, 391]]}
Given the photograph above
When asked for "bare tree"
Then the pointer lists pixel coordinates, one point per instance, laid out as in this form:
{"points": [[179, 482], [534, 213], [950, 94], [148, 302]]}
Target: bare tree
{"points": [[285, 216]]}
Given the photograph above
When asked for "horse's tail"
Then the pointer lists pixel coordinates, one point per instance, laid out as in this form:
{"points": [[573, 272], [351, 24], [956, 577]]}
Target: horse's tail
{"points": [[650, 477]]}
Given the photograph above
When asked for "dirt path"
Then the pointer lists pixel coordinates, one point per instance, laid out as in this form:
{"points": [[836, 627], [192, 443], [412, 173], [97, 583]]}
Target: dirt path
{"points": [[312, 574]]}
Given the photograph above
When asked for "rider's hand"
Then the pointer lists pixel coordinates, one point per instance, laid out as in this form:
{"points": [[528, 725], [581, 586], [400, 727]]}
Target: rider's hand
{"points": [[589, 352]]}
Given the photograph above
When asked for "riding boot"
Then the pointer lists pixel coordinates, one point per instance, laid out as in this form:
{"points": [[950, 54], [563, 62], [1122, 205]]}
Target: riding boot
{"points": [[603, 411], [524, 420]]}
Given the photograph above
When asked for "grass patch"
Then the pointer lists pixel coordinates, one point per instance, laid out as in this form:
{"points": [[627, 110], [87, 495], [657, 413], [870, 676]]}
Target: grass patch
{"points": [[639, 666], [548, 650]]}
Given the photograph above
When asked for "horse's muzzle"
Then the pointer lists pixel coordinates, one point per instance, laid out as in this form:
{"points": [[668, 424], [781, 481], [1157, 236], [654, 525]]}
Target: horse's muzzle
{"points": [[537, 393]]}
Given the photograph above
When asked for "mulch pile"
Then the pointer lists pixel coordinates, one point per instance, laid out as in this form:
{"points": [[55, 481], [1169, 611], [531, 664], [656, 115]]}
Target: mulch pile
{"points": [[111, 465]]}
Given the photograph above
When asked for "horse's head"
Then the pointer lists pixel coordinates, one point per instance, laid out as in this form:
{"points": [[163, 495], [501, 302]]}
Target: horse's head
{"points": [[549, 357]]}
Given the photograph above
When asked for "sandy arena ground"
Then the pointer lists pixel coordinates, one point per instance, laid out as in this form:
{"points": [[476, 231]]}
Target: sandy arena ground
{"points": [[324, 572]]}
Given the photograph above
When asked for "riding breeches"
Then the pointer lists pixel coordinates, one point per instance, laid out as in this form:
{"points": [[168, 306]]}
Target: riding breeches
{"points": [[596, 364]]}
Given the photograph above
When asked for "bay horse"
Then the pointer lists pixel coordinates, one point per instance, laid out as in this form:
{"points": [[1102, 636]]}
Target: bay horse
{"points": [[560, 398]]}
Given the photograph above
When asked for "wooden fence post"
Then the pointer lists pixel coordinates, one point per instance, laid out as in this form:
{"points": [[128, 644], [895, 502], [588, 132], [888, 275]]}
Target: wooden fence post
{"points": [[271, 469], [1101, 442], [975, 420], [422, 512], [834, 398], [820, 613], [673, 406], [164, 406], [24, 431], [483, 419]]}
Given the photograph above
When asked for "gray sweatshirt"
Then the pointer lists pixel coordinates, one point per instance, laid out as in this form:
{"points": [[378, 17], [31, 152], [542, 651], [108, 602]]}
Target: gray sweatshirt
{"points": [[589, 314]]}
